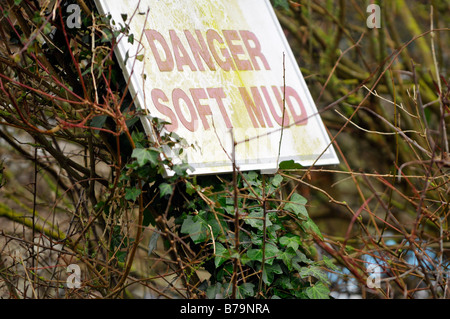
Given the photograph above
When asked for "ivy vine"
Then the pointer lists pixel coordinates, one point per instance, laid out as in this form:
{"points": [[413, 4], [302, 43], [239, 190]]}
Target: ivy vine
{"points": [[274, 254]]}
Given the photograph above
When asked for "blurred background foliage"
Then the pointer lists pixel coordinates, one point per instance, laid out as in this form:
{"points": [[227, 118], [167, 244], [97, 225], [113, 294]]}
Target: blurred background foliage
{"points": [[383, 94]]}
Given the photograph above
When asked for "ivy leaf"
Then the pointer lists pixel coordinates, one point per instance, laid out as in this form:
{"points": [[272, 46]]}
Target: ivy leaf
{"points": [[118, 245], [244, 259], [98, 121], [277, 179], [215, 291], [196, 228], [272, 251], [131, 122], [257, 254], [165, 189], [269, 272], [251, 177], [132, 193], [190, 188], [181, 169], [318, 291], [286, 283], [143, 156], [222, 255], [107, 37], [121, 256], [329, 263], [298, 261], [281, 3], [297, 206], [309, 225], [219, 226], [313, 271], [47, 28], [287, 257], [255, 219], [301, 258], [289, 165], [246, 290], [291, 241], [138, 139]]}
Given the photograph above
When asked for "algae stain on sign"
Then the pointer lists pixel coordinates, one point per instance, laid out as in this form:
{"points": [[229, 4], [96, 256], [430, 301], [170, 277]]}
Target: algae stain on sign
{"points": [[207, 15]]}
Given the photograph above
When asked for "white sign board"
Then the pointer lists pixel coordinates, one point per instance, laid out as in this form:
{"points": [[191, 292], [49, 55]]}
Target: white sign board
{"points": [[218, 69]]}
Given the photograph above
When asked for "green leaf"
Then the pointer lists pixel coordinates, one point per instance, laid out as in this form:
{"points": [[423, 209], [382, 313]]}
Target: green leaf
{"points": [[257, 254], [269, 272], [106, 35], [287, 257], [165, 189], [132, 193], [98, 121], [251, 176], [290, 165], [246, 290], [309, 225], [219, 226], [214, 291], [318, 291], [138, 139], [143, 156], [47, 28], [291, 241], [329, 263], [276, 180], [124, 177], [118, 245], [131, 38], [255, 219], [131, 122], [244, 259], [301, 258], [222, 255], [298, 262], [272, 251], [313, 271], [181, 169], [297, 206], [286, 283], [196, 228], [190, 188], [121, 256]]}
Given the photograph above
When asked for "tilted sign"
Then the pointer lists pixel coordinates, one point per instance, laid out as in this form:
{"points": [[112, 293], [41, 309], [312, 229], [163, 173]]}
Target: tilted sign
{"points": [[221, 71]]}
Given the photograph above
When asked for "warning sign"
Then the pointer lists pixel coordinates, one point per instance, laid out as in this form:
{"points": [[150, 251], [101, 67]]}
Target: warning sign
{"points": [[221, 72]]}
